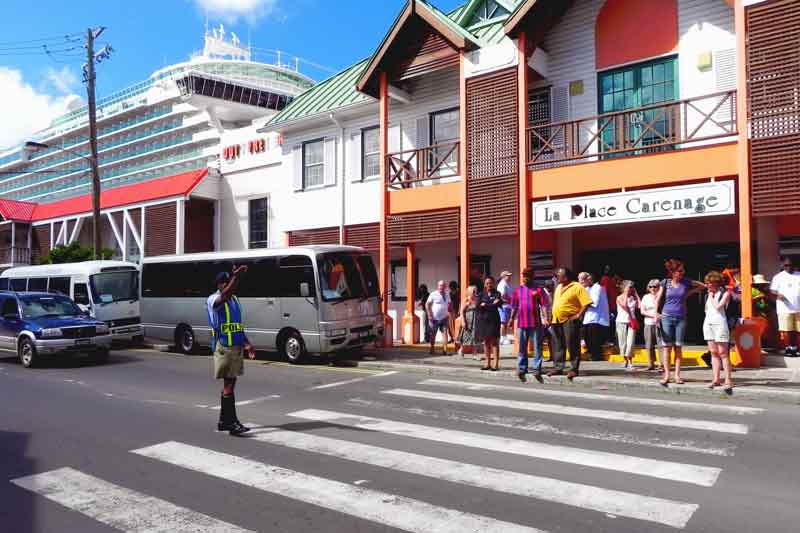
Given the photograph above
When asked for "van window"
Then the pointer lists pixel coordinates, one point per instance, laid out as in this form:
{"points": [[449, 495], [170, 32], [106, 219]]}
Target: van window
{"points": [[81, 294], [292, 271], [259, 281], [3, 284], [37, 284], [59, 285], [19, 284]]}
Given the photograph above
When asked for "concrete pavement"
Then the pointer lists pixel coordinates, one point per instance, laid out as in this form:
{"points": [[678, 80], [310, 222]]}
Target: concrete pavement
{"points": [[131, 446]]}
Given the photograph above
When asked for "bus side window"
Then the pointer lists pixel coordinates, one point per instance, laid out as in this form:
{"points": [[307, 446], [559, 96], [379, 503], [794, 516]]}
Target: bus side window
{"points": [[81, 296], [19, 284], [259, 281], [59, 285], [3, 284], [292, 271], [37, 284]]}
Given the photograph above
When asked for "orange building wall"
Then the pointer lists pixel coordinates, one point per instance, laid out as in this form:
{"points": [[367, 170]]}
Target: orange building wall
{"points": [[631, 30]]}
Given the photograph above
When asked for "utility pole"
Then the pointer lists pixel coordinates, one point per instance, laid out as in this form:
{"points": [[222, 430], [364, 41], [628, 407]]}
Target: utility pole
{"points": [[89, 78]]}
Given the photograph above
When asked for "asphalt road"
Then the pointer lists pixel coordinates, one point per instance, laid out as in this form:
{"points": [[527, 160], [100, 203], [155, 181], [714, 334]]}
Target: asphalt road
{"points": [[132, 446]]}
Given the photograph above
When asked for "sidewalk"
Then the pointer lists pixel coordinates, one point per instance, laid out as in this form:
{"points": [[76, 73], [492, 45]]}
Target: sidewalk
{"points": [[780, 382]]}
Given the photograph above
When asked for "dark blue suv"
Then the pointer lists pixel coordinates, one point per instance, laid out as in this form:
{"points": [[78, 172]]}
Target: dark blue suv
{"points": [[34, 324]]}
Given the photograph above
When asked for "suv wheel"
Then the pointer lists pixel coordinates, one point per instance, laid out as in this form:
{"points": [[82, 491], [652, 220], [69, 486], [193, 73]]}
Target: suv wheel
{"points": [[27, 353], [185, 340], [293, 347]]}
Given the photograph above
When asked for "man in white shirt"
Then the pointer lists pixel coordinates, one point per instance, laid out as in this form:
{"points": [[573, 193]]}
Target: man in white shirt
{"points": [[786, 289], [506, 292], [438, 307]]}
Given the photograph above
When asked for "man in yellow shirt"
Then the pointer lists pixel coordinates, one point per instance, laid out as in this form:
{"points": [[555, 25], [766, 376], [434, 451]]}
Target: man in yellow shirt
{"points": [[570, 300]]}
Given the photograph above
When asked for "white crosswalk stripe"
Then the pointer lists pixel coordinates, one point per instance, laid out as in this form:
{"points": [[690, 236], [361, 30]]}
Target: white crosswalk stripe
{"points": [[118, 507], [618, 503], [386, 509], [566, 410], [686, 473], [705, 407]]}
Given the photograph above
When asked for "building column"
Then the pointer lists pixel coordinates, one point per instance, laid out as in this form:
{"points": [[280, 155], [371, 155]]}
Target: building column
{"points": [[524, 184], [180, 226], [410, 320], [463, 238], [564, 249], [13, 241], [768, 249], [383, 252], [745, 213]]}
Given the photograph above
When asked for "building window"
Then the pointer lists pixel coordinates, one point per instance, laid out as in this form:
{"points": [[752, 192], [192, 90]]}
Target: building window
{"points": [[313, 163], [258, 215], [539, 114], [641, 85], [370, 152], [444, 130]]}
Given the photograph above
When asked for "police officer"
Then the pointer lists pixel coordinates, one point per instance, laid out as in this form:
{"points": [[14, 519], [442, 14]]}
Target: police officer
{"points": [[229, 343]]}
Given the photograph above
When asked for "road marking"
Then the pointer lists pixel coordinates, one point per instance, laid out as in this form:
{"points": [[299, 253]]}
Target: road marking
{"points": [[116, 506], [384, 374], [247, 402], [566, 410], [336, 384], [686, 473], [389, 510], [526, 424], [705, 407], [349, 370], [668, 512]]}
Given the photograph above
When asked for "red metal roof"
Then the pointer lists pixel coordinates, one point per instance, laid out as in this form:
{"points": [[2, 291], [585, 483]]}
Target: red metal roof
{"points": [[14, 210], [170, 186]]}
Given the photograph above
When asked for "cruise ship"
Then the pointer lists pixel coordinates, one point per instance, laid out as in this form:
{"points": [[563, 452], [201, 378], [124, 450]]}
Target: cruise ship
{"points": [[168, 124]]}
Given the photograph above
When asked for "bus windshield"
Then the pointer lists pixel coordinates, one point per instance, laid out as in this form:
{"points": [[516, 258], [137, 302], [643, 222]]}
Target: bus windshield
{"points": [[108, 287], [345, 276]]}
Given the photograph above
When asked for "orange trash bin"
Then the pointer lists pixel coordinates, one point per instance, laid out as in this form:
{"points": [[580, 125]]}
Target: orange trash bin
{"points": [[747, 337]]}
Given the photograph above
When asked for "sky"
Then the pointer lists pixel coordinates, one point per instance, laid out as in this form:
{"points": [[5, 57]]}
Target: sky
{"points": [[149, 34]]}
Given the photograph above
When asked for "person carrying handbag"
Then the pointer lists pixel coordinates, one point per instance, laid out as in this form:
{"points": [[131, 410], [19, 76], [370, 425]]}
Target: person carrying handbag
{"points": [[627, 324]]}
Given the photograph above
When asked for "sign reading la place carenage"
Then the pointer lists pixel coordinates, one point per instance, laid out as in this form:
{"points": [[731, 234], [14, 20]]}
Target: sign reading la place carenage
{"points": [[685, 201]]}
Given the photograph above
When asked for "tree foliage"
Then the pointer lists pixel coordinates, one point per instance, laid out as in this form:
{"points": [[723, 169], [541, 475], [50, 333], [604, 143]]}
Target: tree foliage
{"points": [[73, 253]]}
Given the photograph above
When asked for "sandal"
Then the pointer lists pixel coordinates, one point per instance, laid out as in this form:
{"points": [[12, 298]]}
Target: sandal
{"points": [[486, 368], [728, 388], [713, 384], [679, 382], [664, 382]]}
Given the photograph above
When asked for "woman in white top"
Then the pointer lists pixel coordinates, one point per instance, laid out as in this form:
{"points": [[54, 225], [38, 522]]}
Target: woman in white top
{"points": [[627, 304], [649, 309], [715, 329]]}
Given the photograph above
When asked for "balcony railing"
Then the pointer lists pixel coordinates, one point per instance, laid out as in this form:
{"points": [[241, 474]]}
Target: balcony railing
{"points": [[423, 166], [651, 129], [15, 256]]}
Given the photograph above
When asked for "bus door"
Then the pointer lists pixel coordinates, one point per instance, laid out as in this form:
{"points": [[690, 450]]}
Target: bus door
{"points": [[298, 297]]}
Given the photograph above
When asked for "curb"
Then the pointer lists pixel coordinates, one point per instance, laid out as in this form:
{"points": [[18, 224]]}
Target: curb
{"points": [[593, 382]]}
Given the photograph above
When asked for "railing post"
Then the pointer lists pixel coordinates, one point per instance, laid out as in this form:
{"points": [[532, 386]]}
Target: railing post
{"points": [[13, 241]]}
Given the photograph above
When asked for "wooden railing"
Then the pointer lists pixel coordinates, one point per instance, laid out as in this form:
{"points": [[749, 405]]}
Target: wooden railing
{"points": [[643, 130], [15, 256], [422, 166]]}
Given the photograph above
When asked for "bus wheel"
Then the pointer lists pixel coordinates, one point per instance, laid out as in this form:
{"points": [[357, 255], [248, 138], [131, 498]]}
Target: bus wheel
{"points": [[185, 340], [293, 347]]}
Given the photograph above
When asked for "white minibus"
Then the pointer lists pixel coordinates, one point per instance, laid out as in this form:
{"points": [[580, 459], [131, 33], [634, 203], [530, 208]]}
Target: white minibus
{"points": [[106, 290], [311, 299]]}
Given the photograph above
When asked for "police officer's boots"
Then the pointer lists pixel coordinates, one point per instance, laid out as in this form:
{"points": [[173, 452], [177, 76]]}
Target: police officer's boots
{"points": [[226, 407]]}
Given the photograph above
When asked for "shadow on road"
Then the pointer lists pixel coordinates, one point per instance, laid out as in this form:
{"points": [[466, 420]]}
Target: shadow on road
{"points": [[17, 511]]}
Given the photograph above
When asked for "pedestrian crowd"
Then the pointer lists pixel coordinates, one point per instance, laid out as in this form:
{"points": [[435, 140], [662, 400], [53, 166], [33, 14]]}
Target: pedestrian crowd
{"points": [[568, 312]]}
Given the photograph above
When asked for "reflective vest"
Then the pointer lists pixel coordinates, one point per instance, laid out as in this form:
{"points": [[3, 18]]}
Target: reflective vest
{"points": [[226, 323]]}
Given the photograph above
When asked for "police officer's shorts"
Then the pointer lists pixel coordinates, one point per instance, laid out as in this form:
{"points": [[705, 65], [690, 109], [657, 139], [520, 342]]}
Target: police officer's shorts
{"points": [[228, 362]]}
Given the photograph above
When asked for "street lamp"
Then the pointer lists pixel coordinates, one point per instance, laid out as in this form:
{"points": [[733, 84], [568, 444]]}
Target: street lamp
{"points": [[31, 147]]}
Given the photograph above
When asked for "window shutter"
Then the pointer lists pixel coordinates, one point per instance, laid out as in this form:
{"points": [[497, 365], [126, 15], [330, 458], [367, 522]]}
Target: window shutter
{"points": [[297, 175], [394, 138], [724, 80], [330, 161], [559, 105], [423, 131], [355, 156]]}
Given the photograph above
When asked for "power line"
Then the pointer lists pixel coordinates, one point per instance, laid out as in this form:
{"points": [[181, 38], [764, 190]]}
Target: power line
{"points": [[68, 37]]}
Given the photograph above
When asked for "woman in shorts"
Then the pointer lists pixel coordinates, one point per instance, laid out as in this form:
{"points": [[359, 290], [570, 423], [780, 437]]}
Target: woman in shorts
{"points": [[715, 329]]}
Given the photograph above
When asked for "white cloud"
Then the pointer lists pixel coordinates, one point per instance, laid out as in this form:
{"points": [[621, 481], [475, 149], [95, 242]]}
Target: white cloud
{"points": [[63, 80], [230, 11], [26, 110]]}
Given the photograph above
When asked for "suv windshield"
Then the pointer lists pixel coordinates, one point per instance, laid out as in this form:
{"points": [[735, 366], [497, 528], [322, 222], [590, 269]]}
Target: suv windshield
{"points": [[342, 276], [44, 306], [116, 286]]}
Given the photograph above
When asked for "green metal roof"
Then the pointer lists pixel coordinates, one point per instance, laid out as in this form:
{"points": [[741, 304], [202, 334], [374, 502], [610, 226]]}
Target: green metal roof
{"points": [[340, 89], [336, 92]]}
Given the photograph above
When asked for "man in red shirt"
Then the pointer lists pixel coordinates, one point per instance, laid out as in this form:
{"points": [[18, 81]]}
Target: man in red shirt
{"points": [[528, 305]]}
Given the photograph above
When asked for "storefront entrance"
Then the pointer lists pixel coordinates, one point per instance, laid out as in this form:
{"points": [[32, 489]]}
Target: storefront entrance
{"points": [[642, 264]]}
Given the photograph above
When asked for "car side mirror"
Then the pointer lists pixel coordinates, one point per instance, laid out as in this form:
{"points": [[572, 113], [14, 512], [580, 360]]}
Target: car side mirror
{"points": [[305, 291]]}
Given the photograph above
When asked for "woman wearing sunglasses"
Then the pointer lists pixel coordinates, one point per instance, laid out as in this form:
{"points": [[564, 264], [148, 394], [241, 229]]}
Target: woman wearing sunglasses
{"points": [[675, 290], [652, 332]]}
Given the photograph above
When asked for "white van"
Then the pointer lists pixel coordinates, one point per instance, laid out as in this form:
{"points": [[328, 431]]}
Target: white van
{"points": [[107, 290]]}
